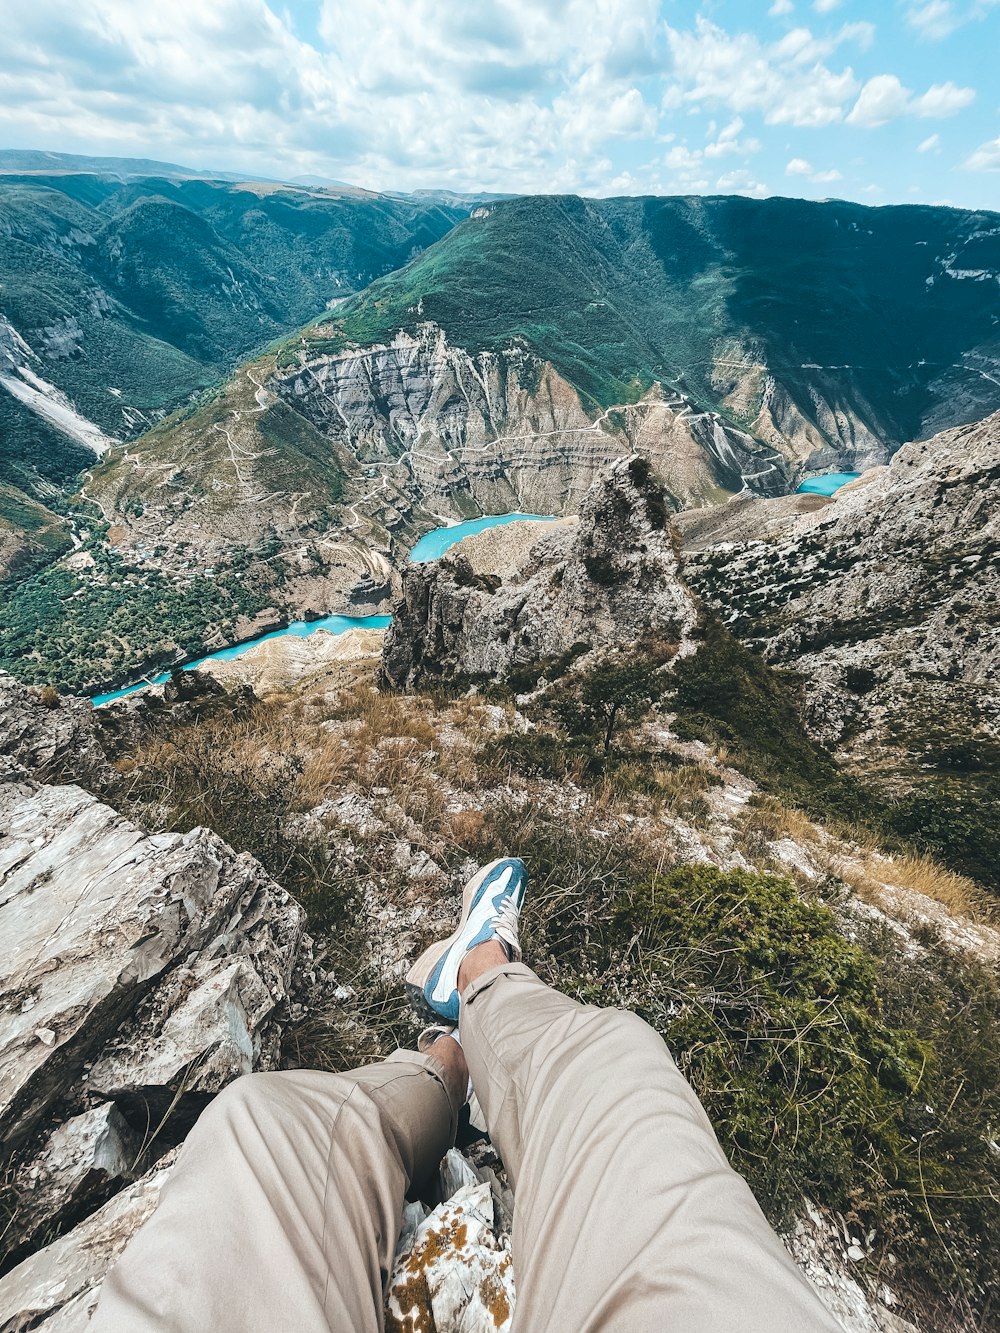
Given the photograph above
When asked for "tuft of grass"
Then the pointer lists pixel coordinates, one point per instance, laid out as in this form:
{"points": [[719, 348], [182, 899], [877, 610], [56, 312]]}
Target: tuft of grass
{"points": [[872, 870], [771, 819], [921, 874]]}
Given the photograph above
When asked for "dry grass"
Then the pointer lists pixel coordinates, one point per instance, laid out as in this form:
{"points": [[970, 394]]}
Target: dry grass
{"points": [[677, 789], [466, 829], [770, 819], [868, 872], [920, 874]]}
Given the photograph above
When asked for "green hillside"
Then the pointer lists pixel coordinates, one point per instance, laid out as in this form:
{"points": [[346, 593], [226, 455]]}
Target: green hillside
{"points": [[865, 303], [134, 293]]}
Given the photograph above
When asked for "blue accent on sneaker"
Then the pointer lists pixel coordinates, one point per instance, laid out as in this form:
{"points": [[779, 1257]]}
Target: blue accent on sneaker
{"points": [[500, 895]]}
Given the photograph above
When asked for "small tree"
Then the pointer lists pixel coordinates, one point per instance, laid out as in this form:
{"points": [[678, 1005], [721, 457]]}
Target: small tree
{"points": [[617, 690]]}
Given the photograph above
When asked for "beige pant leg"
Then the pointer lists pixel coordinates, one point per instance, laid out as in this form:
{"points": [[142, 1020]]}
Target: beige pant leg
{"points": [[627, 1215], [283, 1211]]}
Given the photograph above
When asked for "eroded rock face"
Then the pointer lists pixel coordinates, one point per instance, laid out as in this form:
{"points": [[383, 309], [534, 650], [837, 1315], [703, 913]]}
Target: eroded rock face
{"points": [[94, 912], [45, 733], [885, 599], [506, 428], [414, 431], [604, 582]]}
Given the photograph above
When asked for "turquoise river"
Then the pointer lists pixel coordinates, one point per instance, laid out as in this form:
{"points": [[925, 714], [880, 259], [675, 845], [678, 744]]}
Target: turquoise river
{"points": [[430, 547], [827, 484]]}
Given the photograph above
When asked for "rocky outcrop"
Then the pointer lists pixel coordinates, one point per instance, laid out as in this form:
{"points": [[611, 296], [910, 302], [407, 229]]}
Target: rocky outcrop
{"points": [[602, 583], [155, 956], [46, 734], [356, 452], [453, 1269], [140, 973], [76, 1167], [883, 600]]}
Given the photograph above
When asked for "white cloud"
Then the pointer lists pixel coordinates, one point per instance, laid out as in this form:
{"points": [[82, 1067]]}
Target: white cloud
{"points": [[985, 158], [729, 143], [884, 98], [824, 6], [741, 182], [932, 144], [787, 82], [933, 20], [681, 158], [942, 99], [689, 164], [936, 19], [580, 95], [395, 93], [798, 166]]}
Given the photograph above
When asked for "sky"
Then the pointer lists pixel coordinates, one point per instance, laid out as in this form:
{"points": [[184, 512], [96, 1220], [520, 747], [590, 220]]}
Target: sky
{"points": [[881, 101]]}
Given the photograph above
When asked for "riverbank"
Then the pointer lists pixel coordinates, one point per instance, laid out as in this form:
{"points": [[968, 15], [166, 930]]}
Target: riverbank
{"points": [[431, 546], [301, 629]]}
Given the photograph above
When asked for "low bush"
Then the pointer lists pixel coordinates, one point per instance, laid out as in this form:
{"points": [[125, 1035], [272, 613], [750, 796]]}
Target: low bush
{"points": [[845, 1071]]}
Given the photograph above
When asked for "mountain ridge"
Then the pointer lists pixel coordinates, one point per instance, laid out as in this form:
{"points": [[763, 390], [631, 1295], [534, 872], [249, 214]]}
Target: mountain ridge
{"points": [[130, 294]]}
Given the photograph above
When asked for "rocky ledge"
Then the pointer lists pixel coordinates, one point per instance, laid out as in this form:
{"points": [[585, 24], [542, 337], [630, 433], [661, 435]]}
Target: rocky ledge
{"points": [[140, 974], [884, 600], [605, 581]]}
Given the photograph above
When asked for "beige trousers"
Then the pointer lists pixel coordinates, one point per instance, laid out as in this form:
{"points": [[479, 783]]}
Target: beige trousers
{"points": [[282, 1213]]}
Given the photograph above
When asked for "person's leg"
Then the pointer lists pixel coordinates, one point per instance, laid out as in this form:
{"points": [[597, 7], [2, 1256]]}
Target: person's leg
{"points": [[627, 1215], [284, 1208]]}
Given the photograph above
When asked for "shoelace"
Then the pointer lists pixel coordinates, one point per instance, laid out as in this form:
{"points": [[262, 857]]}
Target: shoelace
{"points": [[505, 927]]}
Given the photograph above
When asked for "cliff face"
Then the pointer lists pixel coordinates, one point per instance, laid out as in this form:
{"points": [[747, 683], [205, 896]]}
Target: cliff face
{"points": [[884, 600], [502, 430], [606, 581], [365, 447]]}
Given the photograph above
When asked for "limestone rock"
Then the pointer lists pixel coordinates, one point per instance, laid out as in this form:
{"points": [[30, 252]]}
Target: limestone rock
{"points": [[884, 600], [205, 1024], [507, 428], [94, 913], [605, 582], [78, 1165], [48, 734], [56, 1289], [827, 1256], [452, 1273], [283, 663]]}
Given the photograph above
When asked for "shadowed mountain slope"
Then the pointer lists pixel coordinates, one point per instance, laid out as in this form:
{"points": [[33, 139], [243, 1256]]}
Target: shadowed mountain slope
{"points": [[820, 322], [122, 296]]}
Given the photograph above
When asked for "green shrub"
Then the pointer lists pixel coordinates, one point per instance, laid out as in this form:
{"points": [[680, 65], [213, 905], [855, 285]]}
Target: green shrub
{"points": [[726, 695], [853, 1073], [956, 820], [826, 1067]]}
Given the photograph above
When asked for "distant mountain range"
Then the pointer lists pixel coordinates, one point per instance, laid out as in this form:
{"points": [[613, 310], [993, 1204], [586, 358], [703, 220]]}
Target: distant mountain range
{"points": [[490, 355], [127, 285], [831, 327], [33, 161]]}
